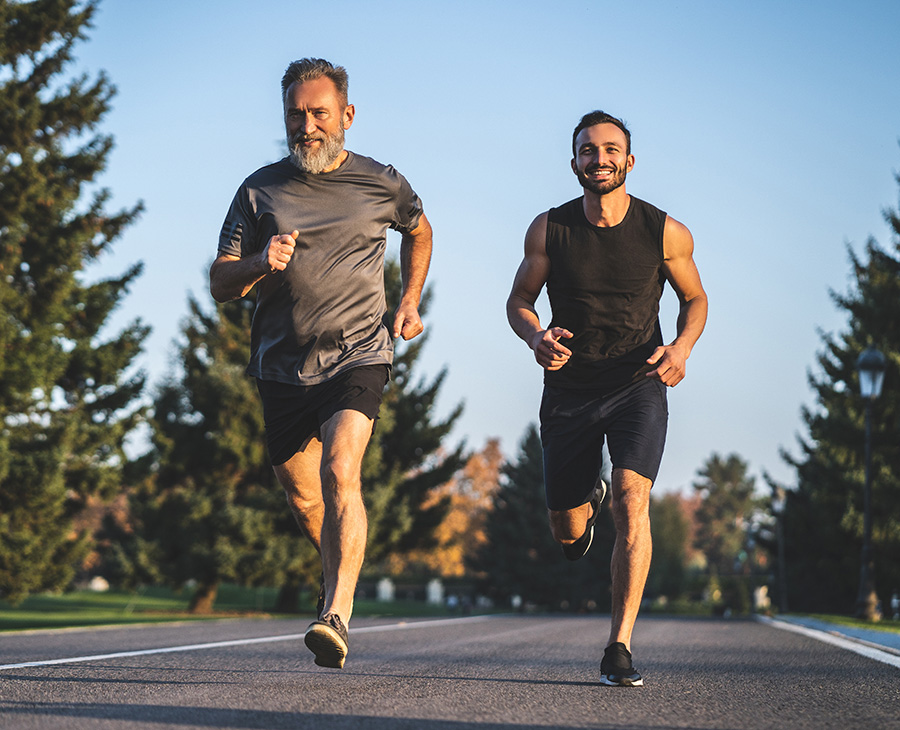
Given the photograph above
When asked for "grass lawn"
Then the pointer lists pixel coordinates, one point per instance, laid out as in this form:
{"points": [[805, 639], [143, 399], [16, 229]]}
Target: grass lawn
{"points": [[887, 625], [153, 605]]}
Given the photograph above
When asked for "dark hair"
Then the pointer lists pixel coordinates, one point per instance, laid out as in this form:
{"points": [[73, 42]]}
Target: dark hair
{"points": [[308, 69], [597, 117]]}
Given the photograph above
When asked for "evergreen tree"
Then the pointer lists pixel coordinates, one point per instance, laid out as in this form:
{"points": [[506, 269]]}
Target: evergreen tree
{"points": [[824, 515], [726, 513], [67, 395], [406, 459], [209, 509], [725, 531], [671, 546], [521, 558]]}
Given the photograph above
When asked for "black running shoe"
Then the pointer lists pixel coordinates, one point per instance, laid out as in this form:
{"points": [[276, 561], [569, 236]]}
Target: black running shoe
{"points": [[327, 639], [320, 602], [578, 549], [616, 669]]}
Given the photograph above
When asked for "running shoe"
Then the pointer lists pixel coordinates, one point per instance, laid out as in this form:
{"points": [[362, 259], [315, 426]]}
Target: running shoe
{"points": [[327, 639], [616, 669], [578, 549]]}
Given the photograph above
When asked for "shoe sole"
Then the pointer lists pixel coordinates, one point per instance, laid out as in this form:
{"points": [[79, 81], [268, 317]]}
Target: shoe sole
{"points": [[327, 644], [624, 682]]}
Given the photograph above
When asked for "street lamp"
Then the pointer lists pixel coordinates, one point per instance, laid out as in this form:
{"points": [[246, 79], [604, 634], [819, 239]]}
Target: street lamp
{"points": [[779, 502], [871, 366]]}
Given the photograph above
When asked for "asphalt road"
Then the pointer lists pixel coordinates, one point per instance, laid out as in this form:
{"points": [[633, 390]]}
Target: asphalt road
{"points": [[506, 672]]}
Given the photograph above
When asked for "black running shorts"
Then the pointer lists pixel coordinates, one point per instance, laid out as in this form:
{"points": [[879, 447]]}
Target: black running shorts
{"points": [[574, 423], [293, 413]]}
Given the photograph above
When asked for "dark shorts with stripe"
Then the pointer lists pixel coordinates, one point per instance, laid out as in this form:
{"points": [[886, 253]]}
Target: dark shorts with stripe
{"points": [[293, 413], [574, 424]]}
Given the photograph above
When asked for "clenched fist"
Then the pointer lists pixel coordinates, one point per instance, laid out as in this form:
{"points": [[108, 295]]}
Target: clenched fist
{"points": [[279, 250]]}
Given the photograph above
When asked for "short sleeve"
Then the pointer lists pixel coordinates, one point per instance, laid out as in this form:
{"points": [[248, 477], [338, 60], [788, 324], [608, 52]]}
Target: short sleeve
{"points": [[238, 234], [408, 208]]}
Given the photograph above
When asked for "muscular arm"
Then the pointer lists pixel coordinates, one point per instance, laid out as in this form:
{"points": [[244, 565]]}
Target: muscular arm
{"points": [[523, 317], [415, 257], [231, 277], [681, 272]]}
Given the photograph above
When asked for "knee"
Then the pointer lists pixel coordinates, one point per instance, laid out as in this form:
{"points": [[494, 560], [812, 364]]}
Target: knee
{"points": [[631, 504], [340, 479], [300, 504]]}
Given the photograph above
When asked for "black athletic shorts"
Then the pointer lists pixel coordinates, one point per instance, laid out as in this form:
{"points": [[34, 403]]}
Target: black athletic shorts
{"points": [[294, 412], [574, 423]]}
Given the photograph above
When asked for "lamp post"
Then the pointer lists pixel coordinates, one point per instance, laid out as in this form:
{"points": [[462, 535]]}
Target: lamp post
{"points": [[871, 368], [779, 502]]}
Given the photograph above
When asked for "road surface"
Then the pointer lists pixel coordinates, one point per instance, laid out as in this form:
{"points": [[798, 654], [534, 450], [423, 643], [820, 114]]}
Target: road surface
{"points": [[509, 672]]}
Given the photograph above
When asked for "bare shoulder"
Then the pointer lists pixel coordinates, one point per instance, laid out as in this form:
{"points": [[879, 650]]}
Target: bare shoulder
{"points": [[677, 239], [536, 236]]}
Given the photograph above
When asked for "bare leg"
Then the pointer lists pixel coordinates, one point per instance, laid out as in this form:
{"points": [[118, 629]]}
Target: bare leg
{"points": [[631, 554], [302, 484], [569, 524], [344, 525]]}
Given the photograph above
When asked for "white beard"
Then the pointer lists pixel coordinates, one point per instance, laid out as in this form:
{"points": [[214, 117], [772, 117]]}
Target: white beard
{"points": [[314, 160]]}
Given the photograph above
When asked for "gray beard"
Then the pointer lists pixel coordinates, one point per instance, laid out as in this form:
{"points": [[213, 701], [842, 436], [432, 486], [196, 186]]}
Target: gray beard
{"points": [[316, 160]]}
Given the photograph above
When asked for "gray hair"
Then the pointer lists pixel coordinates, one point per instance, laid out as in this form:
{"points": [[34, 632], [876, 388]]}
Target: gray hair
{"points": [[308, 69]]}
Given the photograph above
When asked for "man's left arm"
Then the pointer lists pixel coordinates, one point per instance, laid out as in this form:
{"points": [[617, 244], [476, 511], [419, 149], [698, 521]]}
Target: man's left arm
{"points": [[415, 257], [681, 272]]}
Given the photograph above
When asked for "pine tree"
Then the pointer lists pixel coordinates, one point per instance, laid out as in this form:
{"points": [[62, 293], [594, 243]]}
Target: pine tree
{"points": [[209, 509], [726, 512], [671, 546], [67, 395], [521, 558], [406, 459], [824, 515]]}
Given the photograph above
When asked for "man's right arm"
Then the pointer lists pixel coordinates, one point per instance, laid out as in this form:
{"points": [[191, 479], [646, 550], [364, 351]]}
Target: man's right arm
{"points": [[523, 317], [232, 277]]}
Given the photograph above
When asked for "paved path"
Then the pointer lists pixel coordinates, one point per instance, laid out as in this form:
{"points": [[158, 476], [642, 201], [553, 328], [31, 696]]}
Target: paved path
{"points": [[510, 672]]}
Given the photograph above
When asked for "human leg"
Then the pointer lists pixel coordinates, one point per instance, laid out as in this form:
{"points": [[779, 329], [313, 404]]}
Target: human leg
{"points": [[636, 432], [343, 536], [574, 528], [572, 447], [300, 479], [344, 526], [631, 553]]}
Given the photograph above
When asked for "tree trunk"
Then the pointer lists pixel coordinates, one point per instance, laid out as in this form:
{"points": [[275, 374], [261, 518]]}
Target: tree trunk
{"points": [[204, 597]]}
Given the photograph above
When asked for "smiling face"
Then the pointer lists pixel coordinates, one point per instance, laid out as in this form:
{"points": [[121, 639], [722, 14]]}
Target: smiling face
{"points": [[601, 160], [315, 118]]}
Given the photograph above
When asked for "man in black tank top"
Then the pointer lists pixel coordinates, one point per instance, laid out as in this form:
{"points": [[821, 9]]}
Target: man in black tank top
{"points": [[605, 258]]}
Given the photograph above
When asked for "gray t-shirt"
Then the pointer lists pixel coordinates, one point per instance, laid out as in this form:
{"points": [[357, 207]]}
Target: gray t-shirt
{"points": [[324, 313]]}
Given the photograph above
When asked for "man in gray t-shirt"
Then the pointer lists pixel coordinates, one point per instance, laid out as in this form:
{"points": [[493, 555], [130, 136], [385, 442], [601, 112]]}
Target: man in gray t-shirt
{"points": [[309, 232]]}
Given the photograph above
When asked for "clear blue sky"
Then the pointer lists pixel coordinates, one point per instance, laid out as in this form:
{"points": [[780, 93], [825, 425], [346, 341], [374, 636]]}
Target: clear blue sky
{"points": [[769, 128]]}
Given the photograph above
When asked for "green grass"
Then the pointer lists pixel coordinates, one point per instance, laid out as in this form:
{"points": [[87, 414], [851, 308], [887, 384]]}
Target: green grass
{"points": [[150, 605], [157, 605], [887, 625]]}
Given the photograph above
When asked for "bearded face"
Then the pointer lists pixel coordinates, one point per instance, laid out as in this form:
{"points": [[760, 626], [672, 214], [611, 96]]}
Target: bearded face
{"points": [[602, 159], [602, 178], [314, 153], [315, 118]]}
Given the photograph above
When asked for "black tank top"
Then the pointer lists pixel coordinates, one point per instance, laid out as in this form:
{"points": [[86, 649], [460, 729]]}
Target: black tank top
{"points": [[604, 287]]}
